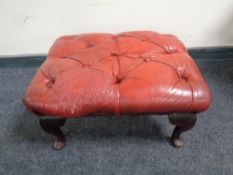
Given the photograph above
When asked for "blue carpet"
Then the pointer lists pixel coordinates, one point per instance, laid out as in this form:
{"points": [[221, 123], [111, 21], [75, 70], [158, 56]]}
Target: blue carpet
{"points": [[127, 145]]}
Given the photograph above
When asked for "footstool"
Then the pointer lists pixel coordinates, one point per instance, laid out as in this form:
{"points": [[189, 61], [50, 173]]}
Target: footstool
{"points": [[139, 72]]}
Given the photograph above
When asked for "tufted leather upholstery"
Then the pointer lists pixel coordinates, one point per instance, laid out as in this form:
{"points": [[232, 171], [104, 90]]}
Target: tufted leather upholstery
{"points": [[132, 72]]}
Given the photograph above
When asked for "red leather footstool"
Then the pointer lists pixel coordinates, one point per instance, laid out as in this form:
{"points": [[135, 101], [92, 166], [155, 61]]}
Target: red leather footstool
{"points": [[128, 73]]}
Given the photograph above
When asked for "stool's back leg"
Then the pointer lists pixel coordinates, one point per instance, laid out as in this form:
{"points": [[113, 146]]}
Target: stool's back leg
{"points": [[52, 125]]}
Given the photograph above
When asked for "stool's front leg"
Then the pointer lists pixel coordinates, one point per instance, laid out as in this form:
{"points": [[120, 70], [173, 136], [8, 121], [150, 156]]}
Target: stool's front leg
{"points": [[52, 125], [183, 122]]}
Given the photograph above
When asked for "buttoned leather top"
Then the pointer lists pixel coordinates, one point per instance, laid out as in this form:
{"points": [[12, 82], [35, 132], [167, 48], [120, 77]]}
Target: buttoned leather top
{"points": [[103, 74]]}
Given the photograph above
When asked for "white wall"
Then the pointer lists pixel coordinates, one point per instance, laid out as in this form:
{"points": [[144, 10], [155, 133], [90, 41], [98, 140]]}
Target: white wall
{"points": [[31, 26]]}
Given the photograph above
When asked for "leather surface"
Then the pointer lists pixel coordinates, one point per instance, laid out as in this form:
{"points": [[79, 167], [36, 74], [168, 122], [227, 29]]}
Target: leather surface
{"points": [[132, 72]]}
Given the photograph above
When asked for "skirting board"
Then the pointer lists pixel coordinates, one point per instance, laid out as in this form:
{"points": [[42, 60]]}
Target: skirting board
{"points": [[212, 52], [196, 53]]}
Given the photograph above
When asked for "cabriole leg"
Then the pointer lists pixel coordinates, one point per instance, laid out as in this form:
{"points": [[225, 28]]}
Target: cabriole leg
{"points": [[183, 122], [52, 125]]}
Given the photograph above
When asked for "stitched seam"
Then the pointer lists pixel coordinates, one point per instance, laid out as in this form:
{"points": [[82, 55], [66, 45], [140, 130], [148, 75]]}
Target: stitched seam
{"points": [[192, 95], [178, 74], [169, 66], [117, 105], [146, 40], [190, 88]]}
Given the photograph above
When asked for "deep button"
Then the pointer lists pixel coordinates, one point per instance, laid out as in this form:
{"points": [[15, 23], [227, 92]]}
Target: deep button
{"points": [[49, 82], [169, 50], [90, 45], [52, 80], [146, 59], [184, 78], [115, 54], [118, 79], [143, 39]]}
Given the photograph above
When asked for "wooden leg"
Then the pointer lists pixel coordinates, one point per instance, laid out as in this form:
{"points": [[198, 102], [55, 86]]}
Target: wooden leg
{"points": [[52, 125], [183, 122]]}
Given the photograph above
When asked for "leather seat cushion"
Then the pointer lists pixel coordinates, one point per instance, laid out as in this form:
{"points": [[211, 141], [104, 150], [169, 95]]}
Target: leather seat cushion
{"points": [[131, 72]]}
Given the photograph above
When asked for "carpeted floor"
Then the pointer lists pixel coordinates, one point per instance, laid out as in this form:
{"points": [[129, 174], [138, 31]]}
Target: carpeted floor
{"points": [[107, 145]]}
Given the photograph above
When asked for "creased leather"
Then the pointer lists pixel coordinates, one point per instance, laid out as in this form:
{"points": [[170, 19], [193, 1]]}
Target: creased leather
{"points": [[131, 72]]}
